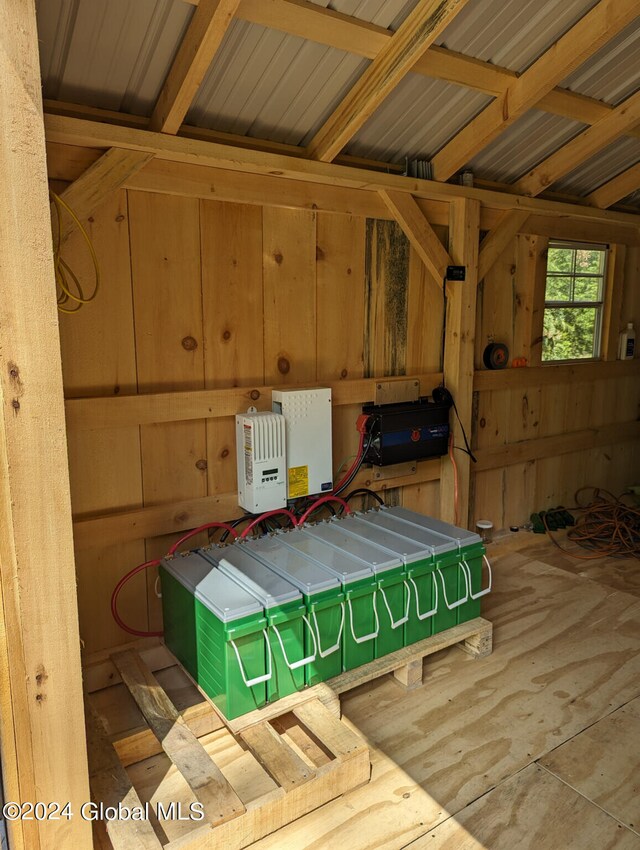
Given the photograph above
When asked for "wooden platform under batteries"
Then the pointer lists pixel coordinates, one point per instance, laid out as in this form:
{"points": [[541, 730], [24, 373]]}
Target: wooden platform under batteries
{"points": [[155, 739]]}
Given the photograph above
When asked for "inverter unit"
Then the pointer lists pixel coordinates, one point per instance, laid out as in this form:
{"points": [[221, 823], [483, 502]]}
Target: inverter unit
{"points": [[407, 431], [261, 458]]}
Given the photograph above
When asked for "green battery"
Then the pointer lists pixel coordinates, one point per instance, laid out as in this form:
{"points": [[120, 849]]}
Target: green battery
{"points": [[284, 609], [324, 601], [426, 616], [469, 557], [393, 591], [359, 587], [218, 631]]}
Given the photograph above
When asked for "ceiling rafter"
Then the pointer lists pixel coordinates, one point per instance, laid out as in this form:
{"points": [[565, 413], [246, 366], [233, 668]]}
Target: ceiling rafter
{"points": [[202, 39], [617, 188], [581, 148], [417, 32], [418, 230], [344, 32], [584, 39]]}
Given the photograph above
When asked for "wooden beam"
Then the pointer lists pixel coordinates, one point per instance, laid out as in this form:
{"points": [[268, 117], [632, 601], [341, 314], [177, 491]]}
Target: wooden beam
{"points": [[202, 39], [150, 408], [584, 146], [496, 241], [42, 732], [105, 176], [617, 188], [420, 29], [464, 236], [180, 516], [554, 374], [525, 451], [613, 299], [597, 27], [74, 131], [419, 232]]}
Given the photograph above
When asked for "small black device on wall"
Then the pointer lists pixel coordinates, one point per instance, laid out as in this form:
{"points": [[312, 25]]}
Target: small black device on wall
{"points": [[406, 431]]}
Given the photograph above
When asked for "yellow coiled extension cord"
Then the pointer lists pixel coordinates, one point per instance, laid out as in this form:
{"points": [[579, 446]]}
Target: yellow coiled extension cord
{"points": [[66, 279]]}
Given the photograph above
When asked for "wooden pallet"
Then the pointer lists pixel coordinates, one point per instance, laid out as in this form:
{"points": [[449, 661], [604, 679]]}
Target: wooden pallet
{"points": [[299, 761], [296, 753]]}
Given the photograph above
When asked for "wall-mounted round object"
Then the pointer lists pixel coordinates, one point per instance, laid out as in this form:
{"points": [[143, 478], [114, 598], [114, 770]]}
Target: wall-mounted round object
{"points": [[496, 356]]}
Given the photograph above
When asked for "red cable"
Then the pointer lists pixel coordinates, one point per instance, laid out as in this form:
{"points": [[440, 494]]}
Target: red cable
{"points": [[353, 465], [264, 516], [321, 501], [116, 593], [200, 528]]}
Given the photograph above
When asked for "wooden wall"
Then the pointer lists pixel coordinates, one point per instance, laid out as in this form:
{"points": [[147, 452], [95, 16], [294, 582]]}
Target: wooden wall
{"points": [[204, 295]]}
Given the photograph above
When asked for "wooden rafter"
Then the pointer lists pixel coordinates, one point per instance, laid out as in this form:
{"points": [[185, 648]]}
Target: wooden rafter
{"points": [[495, 242], [617, 188], [597, 27], [335, 29], [201, 41], [106, 175], [416, 227], [584, 146], [395, 60]]}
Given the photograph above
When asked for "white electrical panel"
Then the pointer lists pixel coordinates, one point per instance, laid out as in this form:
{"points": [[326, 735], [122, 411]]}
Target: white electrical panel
{"points": [[308, 416], [260, 452]]}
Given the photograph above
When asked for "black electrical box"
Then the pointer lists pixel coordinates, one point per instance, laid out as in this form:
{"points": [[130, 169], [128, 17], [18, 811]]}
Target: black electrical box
{"points": [[406, 431]]}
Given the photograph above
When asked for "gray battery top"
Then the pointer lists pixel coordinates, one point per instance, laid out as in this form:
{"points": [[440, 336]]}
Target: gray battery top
{"points": [[436, 543], [240, 565], [376, 558], [461, 536], [407, 550], [347, 568], [305, 574], [217, 592]]}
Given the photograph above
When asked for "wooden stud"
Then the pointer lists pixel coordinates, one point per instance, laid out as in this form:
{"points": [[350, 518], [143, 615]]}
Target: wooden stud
{"points": [[202, 39], [458, 354], [419, 232], [597, 27], [410, 676], [613, 292], [103, 178], [282, 763], [617, 188], [575, 152], [219, 800], [417, 32], [496, 241], [43, 751]]}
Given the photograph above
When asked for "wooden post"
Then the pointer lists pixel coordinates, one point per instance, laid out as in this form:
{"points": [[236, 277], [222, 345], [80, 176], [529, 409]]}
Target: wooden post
{"points": [[464, 238], [42, 736]]}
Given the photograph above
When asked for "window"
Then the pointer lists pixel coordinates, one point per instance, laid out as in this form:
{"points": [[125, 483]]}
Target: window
{"points": [[573, 303]]}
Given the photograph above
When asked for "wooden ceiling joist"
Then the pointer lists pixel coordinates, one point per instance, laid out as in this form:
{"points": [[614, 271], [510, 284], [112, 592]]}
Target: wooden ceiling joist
{"points": [[591, 32], [495, 242], [419, 232], [617, 188], [395, 60], [106, 175], [201, 41], [584, 146]]}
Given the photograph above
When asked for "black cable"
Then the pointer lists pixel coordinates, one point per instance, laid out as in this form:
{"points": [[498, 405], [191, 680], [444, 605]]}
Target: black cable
{"points": [[364, 491], [464, 434]]}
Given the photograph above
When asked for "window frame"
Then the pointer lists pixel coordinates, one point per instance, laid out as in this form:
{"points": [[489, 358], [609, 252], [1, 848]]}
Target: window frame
{"points": [[600, 305]]}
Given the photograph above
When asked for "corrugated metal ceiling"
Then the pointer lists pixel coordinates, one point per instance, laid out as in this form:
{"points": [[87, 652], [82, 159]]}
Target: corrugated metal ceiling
{"points": [[269, 85], [608, 163]]}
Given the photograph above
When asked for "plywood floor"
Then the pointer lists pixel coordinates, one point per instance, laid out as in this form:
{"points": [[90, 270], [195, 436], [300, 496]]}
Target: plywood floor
{"points": [[537, 746]]}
